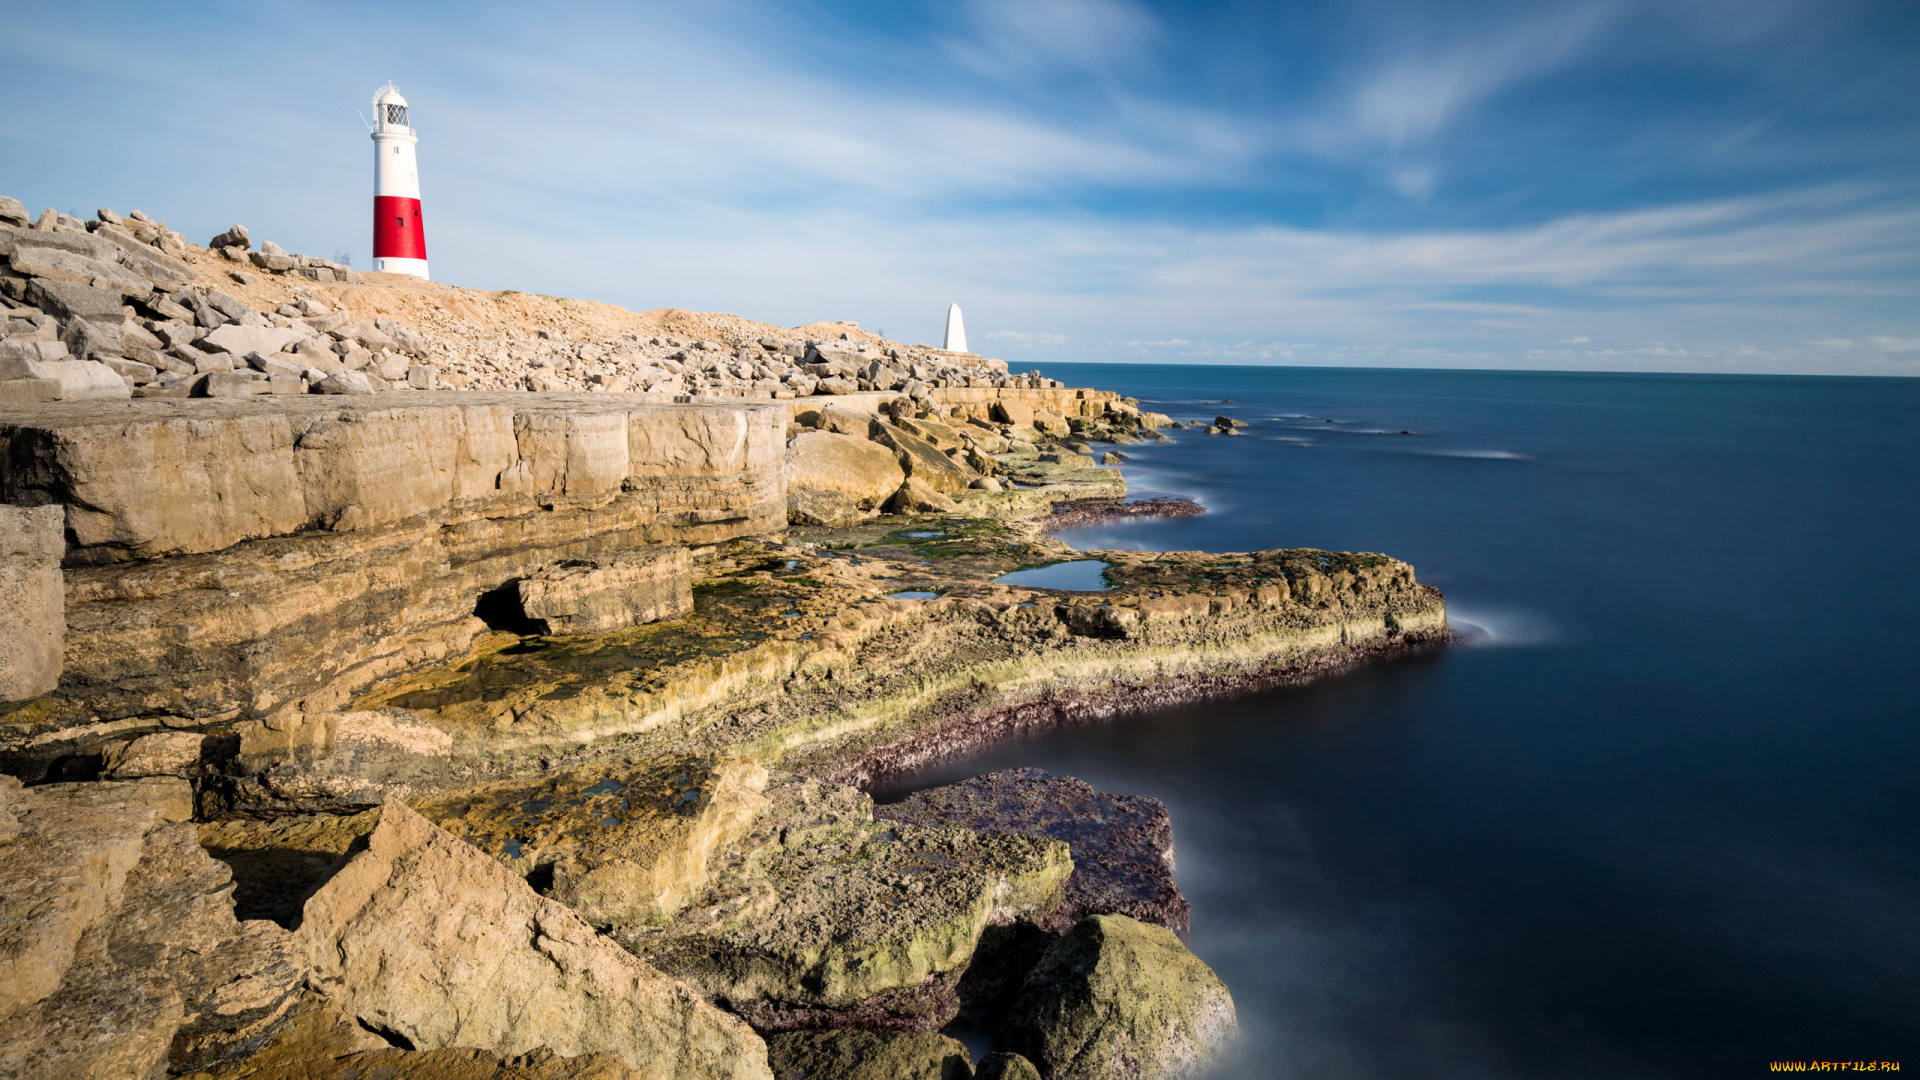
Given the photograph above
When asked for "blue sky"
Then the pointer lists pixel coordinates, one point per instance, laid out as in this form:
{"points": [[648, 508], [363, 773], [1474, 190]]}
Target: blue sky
{"points": [[1687, 185]]}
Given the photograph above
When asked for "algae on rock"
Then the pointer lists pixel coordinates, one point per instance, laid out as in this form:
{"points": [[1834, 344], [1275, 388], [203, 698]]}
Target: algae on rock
{"points": [[864, 1055], [1118, 999], [824, 917]]}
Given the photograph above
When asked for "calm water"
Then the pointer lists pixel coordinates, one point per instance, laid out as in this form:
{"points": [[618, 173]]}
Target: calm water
{"points": [[1661, 821]]}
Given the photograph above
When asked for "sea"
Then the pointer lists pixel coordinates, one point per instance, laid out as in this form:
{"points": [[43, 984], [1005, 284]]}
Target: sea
{"points": [[1656, 814]]}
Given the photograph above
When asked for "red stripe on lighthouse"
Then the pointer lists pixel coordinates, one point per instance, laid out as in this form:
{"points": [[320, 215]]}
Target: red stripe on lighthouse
{"points": [[397, 231]]}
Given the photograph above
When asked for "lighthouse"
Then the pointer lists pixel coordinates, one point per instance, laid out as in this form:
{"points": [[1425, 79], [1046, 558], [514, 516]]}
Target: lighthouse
{"points": [[399, 239], [956, 340]]}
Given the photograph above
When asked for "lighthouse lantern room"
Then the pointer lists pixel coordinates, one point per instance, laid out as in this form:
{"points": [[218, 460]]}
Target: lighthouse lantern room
{"points": [[399, 239]]}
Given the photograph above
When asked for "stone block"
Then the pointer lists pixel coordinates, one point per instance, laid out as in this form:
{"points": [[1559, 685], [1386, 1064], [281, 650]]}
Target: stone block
{"points": [[591, 598], [242, 340], [229, 384], [84, 379], [130, 369], [426, 377], [28, 389], [165, 753], [69, 301], [276, 364], [426, 938], [32, 599], [286, 384], [346, 382]]}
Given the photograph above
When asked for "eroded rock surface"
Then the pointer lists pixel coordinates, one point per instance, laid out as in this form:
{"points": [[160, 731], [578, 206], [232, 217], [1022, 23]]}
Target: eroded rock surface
{"points": [[424, 937], [1122, 844], [823, 917], [119, 951], [32, 600], [620, 844], [1118, 999]]}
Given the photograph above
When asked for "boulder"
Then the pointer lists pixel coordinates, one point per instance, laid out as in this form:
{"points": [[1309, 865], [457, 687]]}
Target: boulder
{"points": [[923, 460], [32, 599], [843, 421], [85, 379], [1005, 1066], [425, 938], [52, 264], [233, 237], [1121, 999], [242, 340], [345, 382], [824, 917], [917, 497], [1010, 411], [627, 844], [580, 597], [821, 464], [119, 948], [67, 300], [1122, 844], [866, 1055]]}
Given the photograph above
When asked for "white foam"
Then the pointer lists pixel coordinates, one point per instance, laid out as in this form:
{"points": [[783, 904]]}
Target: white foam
{"points": [[1502, 628]]}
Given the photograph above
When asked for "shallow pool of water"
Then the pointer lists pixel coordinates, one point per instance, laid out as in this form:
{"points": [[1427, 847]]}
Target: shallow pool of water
{"points": [[1080, 575]]}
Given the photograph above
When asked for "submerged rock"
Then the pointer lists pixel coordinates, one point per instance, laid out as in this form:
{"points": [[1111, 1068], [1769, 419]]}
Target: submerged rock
{"points": [[425, 939], [1118, 999], [862, 1055], [1122, 844], [824, 917]]}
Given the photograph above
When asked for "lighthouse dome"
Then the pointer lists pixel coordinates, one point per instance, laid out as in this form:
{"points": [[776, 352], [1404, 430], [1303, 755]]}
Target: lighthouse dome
{"points": [[389, 108]]}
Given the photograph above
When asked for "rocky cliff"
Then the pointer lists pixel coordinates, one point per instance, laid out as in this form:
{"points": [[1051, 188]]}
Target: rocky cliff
{"points": [[370, 726]]}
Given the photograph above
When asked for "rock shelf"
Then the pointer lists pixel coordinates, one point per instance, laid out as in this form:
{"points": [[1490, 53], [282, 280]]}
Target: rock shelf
{"points": [[526, 729]]}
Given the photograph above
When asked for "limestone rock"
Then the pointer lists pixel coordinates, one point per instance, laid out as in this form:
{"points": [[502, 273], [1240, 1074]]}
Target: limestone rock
{"points": [[824, 463], [234, 237], [622, 845], [1122, 844], [278, 861], [864, 1055], [32, 599], [85, 379], [121, 950], [52, 264], [924, 461], [424, 937], [345, 382], [579, 597], [166, 753], [77, 301], [823, 917], [1117, 998], [242, 340], [917, 497]]}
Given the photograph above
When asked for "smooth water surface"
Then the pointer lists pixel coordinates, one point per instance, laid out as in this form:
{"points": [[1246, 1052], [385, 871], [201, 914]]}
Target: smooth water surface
{"points": [[1658, 820], [1076, 575]]}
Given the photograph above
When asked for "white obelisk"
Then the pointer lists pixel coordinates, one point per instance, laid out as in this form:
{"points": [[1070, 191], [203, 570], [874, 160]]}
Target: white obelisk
{"points": [[956, 331]]}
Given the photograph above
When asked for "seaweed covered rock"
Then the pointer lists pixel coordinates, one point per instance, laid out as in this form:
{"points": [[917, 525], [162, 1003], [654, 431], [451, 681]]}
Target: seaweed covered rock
{"points": [[1122, 844], [1118, 999], [824, 917], [623, 844], [862, 1055], [1004, 1066], [427, 940]]}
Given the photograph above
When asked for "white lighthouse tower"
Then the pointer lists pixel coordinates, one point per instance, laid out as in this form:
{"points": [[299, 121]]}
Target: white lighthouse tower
{"points": [[399, 237], [956, 340]]}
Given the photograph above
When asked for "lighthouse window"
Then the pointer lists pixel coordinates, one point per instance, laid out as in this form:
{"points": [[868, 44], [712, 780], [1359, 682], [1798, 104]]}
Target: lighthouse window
{"points": [[397, 114]]}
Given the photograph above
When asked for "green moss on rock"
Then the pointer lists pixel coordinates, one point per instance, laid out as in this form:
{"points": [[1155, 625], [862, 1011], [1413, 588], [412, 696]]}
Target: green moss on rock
{"points": [[1118, 999], [865, 1055]]}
